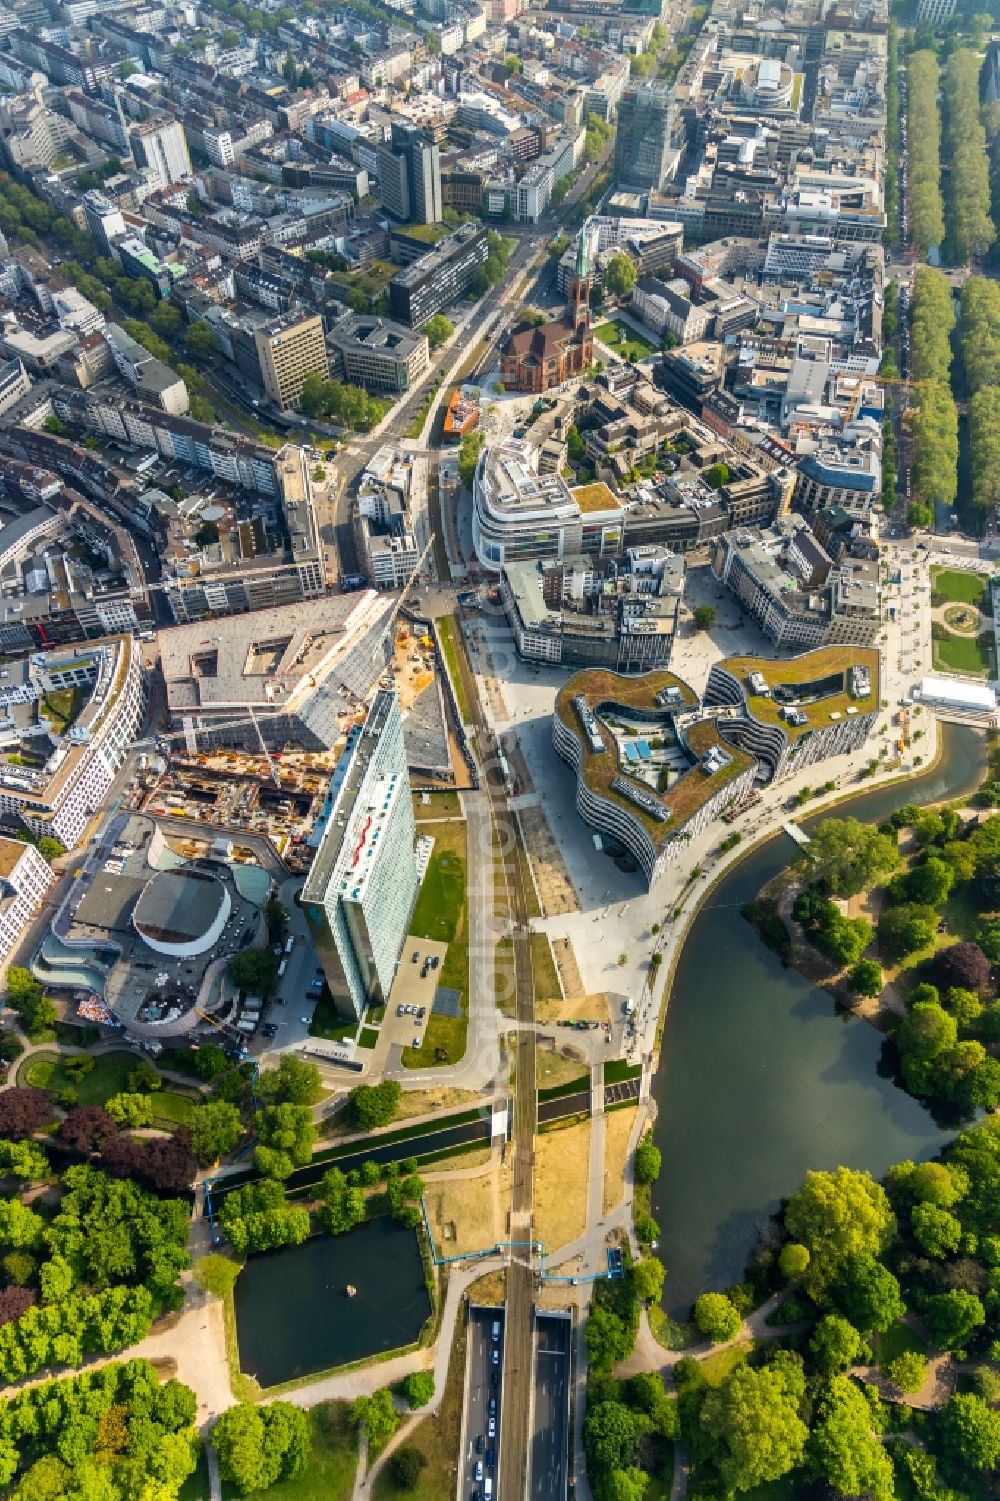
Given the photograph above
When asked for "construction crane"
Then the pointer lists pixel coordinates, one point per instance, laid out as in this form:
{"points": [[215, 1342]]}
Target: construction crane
{"points": [[255, 716]]}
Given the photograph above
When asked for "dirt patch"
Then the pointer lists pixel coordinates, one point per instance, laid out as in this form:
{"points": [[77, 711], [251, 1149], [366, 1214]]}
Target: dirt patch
{"points": [[562, 1163], [463, 1214], [457, 1162], [555, 889], [576, 1008], [553, 1069], [569, 970], [617, 1129], [425, 1101], [491, 1289]]}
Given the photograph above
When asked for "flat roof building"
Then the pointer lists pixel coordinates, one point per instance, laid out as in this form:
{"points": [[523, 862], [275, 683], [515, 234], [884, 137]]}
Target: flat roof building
{"points": [[289, 349]]}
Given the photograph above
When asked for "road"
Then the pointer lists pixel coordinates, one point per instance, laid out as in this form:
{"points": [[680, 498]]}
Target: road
{"points": [[484, 1364], [334, 514], [550, 1417]]}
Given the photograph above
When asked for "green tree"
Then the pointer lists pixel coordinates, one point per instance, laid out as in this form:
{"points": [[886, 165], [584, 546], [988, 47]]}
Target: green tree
{"points": [[343, 1206], [258, 1446], [373, 1105], [953, 1317], [418, 1388], [716, 475], [908, 1371], [936, 1230], [200, 339], [835, 1344], [848, 855], [716, 1317], [379, 1417], [286, 1134], [843, 1448], [610, 1435], [50, 849], [970, 1432], [620, 276], [438, 329], [468, 457], [215, 1130], [793, 1263], [407, 1463], [866, 978], [837, 1216], [646, 1165], [930, 882], [210, 1060], [906, 928], [130, 1110], [703, 617], [294, 1082], [869, 1294], [254, 971], [752, 1420], [26, 997], [647, 1279], [216, 1274]]}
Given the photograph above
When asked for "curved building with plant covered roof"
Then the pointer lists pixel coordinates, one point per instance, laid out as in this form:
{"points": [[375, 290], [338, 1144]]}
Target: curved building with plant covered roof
{"points": [[793, 711], [651, 771]]}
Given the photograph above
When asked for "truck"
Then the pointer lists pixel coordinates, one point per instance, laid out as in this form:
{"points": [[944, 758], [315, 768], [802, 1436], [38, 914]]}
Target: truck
{"points": [[246, 1026], [282, 967], [289, 945]]}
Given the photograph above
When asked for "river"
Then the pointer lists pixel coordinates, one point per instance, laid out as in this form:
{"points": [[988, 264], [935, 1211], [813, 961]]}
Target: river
{"points": [[761, 1078]]}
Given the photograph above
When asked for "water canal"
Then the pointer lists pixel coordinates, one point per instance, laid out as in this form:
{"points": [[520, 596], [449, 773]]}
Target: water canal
{"points": [[293, 1315], [761, 1078]]}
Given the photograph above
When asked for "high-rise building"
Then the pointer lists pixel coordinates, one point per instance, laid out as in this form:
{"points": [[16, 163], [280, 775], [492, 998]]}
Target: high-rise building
{"points": [[104, 219], [362, 888], [162, 146], [409, 169], [642, 145], [288, 350]]}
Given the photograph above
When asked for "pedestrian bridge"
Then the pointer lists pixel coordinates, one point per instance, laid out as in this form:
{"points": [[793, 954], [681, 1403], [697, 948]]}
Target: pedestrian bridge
{"points": [[794, 832]]}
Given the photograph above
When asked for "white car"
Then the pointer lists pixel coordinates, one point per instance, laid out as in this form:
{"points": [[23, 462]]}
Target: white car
{"points": [[304, 1020]]}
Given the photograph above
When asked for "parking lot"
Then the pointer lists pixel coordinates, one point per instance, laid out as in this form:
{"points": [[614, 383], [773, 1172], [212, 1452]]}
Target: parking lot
{"points": [[417, 978], [480, 1457], [548, 1457]]}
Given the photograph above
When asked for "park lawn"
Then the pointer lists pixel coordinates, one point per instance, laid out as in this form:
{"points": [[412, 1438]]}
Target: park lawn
{"points": [[327, 1022], [368, 1038], [967, 654], [553, 1069], [957, 587], [332, 1464], [624, 339], [450, 648], [441, 805], [109, 1076], [562, 1170], [716, 1367], [898, 1339], [437, 1436], [441, 902], [442, 913], [544, 973]]}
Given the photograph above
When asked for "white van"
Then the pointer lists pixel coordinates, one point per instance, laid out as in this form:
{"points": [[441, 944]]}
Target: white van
{"points": [[488, 1489]]}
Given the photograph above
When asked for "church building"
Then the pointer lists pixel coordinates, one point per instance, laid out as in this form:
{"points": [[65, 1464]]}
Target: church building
{"points": [[536, 359]]}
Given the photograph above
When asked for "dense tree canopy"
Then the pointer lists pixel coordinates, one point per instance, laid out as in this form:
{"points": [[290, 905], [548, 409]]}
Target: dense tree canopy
{"points": [[258, 1446], [837, 1216], [927, 207], [753, 1419], [848, 855]]}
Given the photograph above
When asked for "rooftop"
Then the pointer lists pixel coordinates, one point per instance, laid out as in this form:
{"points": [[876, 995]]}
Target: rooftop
{"points": [[822, 678], [603, 691]]}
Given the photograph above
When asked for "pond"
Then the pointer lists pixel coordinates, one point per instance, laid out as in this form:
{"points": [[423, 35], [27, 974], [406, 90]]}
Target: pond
{"points": [[762, 1078], [293, 1315]]}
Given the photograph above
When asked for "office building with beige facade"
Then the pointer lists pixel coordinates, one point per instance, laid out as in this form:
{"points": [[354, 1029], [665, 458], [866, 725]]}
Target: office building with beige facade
{"points": [[288, 350]]}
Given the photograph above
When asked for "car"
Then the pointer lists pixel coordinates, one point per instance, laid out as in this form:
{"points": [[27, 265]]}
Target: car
{"points": [[496, 1356], [304, 1020], [417, 1042], [421, 1011], [280, 1000], [414, 956], [435, 961], [479, 1444], [491, 1458], [495, 1331], [493, 1407], [478, 1471], [491, 1427], [400, 1010]]}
